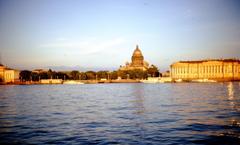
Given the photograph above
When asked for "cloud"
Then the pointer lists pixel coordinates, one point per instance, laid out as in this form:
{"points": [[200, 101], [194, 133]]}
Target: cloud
{"points": [[86, 46]]}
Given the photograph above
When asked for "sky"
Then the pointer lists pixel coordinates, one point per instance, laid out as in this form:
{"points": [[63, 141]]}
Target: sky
{"points": [[102, 34]]}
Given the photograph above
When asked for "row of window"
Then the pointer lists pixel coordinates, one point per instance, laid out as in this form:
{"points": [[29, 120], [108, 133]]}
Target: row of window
{"points": [[206, 69], [8, 76]]}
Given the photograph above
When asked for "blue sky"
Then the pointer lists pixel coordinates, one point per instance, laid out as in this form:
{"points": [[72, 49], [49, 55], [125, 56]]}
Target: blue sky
{"points": [[103, 33]]}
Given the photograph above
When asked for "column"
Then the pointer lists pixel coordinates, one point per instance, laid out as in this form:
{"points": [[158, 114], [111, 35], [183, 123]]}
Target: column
{"points": [[214, 70], [208, 71]]}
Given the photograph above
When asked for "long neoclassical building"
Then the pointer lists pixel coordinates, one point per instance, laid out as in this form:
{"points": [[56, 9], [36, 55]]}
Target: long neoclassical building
{"points": [[219, 69], [138, 62]]}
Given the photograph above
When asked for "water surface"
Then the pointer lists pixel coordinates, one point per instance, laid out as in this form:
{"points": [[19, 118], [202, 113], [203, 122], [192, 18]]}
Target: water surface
{"points": [[180, 113]]}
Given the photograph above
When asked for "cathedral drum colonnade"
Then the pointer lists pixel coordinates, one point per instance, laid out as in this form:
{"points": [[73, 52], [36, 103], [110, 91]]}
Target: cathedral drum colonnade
{"points": [[219, 70]]}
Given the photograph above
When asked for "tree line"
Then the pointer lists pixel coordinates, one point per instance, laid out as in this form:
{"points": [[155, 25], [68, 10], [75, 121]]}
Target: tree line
{"points": [[27, 75]]}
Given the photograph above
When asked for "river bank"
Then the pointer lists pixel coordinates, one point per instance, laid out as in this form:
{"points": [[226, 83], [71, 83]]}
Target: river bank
{"points": [[54, 82], [73, 82]]}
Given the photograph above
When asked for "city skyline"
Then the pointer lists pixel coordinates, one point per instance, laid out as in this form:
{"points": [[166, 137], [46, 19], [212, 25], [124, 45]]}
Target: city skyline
{"points": [[103, 34]]}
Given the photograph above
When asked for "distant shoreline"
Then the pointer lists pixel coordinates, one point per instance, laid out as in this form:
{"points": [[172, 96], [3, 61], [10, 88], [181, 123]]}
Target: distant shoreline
{"points": [[108, 82], [82, 81]]}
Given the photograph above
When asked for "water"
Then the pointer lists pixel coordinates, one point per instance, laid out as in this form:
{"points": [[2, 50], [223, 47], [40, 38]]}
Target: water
{"points": [[180, 113]]}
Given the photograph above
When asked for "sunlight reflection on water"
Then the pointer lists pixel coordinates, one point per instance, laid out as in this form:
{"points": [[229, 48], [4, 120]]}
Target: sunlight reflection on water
{"points": [[184, 113]]}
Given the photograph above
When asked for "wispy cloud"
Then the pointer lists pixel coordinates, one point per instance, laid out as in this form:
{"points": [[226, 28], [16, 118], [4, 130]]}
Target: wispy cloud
{"points": [[86, 46]]}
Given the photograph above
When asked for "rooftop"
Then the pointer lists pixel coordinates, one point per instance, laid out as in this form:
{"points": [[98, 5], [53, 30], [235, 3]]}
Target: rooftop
{"points": [[207, 60]]}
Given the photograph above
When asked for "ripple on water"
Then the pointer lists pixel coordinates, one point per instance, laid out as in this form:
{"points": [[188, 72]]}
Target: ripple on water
{"points": [[168, 114]]}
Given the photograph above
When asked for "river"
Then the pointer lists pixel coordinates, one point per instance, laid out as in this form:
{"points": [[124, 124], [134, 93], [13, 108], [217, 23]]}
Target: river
{"points": [[133, 113]]}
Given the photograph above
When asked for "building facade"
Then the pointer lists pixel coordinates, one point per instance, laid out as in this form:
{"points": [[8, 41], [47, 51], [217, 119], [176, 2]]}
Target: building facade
{"points": [[8, 75], [137, 62], [219, 70]]}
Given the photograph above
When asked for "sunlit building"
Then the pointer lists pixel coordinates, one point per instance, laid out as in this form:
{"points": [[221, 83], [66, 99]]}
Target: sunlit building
{"points": [[8, 75], [137, 61], [219, 69]]}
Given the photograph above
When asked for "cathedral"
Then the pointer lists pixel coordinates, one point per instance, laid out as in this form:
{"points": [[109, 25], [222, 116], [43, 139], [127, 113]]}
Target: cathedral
{"points": [[137, 62]]}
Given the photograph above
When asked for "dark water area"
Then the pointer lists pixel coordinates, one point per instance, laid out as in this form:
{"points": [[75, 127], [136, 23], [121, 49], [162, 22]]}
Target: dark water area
{"points": [[169, 114]]}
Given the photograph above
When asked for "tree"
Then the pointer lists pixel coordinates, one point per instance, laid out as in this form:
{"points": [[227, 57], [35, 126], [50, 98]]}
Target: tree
{"points": [[25, 75], [140, 74], [131, 74], [61, 75], [123, 74], [153, 71], [35, 76], [91, 75], [83, 76], [137, 74], [75, 75], [50, 74], [43, 75], [114, 75], [102, 74]]}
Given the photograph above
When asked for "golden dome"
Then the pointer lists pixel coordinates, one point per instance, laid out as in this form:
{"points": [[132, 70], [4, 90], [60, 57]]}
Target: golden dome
{"points": [[137, 57], [137, 52]]}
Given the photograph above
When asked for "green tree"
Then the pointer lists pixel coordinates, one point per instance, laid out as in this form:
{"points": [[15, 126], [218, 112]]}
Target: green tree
{"points": [[91, 75], [102, 74], [50, 74], [61, 75], [83, 76], [35, 76], [75, 75], [43, 75], [25, 75], [140, 74], [153, 71], [137, 74], [123, 74], [114, 75]]}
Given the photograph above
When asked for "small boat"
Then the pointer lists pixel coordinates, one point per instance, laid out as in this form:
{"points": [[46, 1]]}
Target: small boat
{"points": [[72, 82], [178, 80], [157, 80], [148, 81], [204, 80]]}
